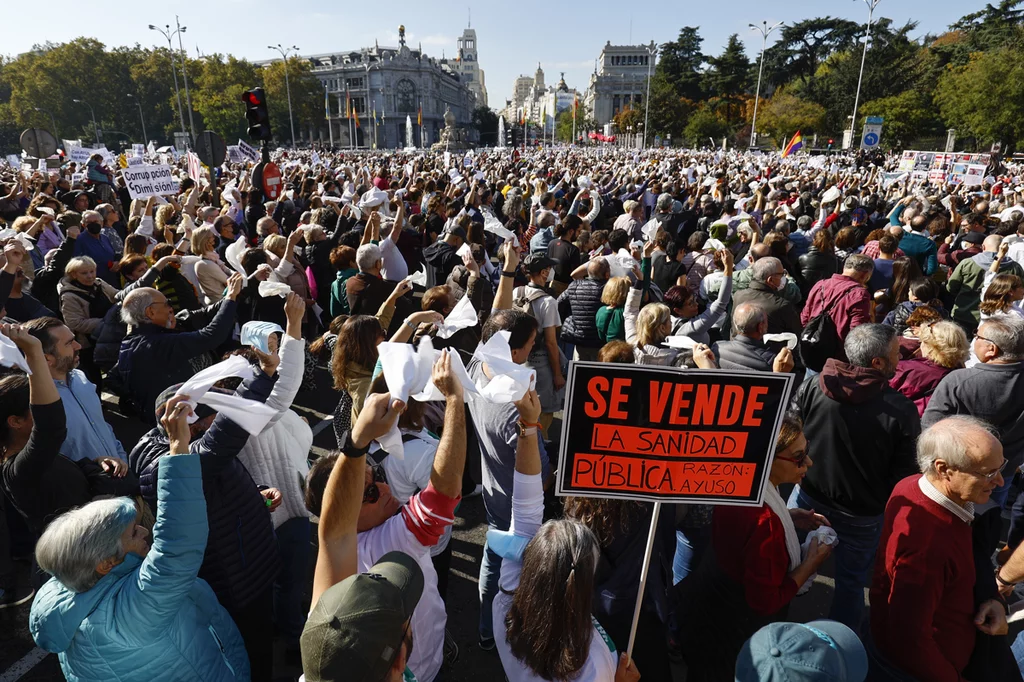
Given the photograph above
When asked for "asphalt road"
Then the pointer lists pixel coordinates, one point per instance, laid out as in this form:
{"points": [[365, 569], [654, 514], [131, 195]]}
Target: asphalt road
{"points": [[21, 660]]}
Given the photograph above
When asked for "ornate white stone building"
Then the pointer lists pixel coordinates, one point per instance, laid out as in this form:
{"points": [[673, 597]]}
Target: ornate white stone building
{"points": [[531, 96], [620, 77], [385, 85], [467, 65]]}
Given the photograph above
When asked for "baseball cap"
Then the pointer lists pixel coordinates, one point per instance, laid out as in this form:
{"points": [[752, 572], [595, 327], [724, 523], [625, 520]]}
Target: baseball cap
{"points": [[458, 232], [355, 631], [536, 262], [973, 238], [819, 651]]}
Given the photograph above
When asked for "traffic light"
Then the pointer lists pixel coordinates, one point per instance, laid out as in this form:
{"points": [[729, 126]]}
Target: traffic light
{"points": [[256, 113], [830, 143]]}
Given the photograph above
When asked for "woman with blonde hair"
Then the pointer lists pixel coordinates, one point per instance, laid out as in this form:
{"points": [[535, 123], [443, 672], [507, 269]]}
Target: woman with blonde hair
{"points": [[84, 301], [610, 321], [944, 348], [212, 274]]}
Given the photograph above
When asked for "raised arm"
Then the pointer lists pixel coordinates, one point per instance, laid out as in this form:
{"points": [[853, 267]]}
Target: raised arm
{"points": [[337, 556], [450, 460], [503, 297]]}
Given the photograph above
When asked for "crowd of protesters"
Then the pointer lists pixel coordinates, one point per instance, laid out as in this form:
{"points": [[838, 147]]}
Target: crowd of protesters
{"points": [[186, 555]]}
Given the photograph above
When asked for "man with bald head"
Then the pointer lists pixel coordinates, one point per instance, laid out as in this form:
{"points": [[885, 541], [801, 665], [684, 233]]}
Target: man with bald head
{"points": [[578, 306], [966, 282], [155, 355], [929, 602], [747, 349]]}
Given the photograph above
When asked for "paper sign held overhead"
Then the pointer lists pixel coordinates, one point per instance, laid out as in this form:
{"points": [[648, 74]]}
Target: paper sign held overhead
{"points": [[670, 435], [149, 181]]}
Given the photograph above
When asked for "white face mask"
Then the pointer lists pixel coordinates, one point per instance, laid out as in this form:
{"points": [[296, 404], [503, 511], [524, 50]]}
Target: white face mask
{"points": [[551, 275], [966, 245], [783, 281]]}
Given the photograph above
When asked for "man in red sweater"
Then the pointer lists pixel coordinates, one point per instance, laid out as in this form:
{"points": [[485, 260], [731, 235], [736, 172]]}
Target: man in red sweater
{"points": [[923, 616], [844, 296]]}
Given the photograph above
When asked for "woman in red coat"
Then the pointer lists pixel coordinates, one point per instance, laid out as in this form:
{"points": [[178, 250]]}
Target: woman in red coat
{"points": [[752, 570], [944, 347]]}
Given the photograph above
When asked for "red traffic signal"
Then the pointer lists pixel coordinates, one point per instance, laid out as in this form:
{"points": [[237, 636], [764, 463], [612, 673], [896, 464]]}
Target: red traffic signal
{"points": [[256, 113]]}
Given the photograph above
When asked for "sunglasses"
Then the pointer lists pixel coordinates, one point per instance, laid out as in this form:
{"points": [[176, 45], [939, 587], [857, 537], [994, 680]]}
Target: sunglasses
{"points": [[798, 461], [372, 493]]}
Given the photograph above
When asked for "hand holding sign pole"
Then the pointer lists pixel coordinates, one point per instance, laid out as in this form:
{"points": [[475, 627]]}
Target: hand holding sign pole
{"points": [[660, 434]]}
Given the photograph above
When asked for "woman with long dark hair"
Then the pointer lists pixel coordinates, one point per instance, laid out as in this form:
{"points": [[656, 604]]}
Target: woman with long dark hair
{"points": [[542, 616]]}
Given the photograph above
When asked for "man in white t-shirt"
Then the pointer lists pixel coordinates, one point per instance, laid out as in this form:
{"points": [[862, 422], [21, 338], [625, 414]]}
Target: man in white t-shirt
{"points": [[386, 237], [546, 358], [354, 537]]}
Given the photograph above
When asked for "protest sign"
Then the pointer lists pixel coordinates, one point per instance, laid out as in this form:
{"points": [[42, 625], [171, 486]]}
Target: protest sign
{"points": [[80, 155], [138, 150], [975, 175], [13, 160], [248, 151], [195, 169], [235, 154], [135, 161], [671, 435], [147, 181]]}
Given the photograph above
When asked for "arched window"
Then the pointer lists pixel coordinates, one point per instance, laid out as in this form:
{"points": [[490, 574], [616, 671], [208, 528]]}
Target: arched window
{"points": [[405, 96]]}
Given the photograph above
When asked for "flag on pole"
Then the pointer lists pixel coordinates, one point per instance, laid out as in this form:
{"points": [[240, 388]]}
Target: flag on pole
{"points": [[327, 105], [355, 115], [543, 116], [419, 116], [575, 104], [348, 106], [796, 143]]}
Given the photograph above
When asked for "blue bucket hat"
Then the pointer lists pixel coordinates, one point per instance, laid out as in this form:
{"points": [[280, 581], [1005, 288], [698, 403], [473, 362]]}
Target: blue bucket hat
{"points": [[819, 651]]}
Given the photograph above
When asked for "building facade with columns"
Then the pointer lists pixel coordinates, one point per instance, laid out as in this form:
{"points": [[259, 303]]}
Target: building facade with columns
{"points": [[532, 97], [385, 85], [619, 78], [467, 65]]}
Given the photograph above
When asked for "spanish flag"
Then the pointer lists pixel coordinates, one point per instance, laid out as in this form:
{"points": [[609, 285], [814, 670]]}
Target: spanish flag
{"points": [[348, 106], [419, 116], [796, 143], [575, 104]]}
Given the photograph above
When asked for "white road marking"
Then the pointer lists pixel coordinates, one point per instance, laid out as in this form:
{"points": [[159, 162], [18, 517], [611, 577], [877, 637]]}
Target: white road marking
{"points": [[22, 666]]}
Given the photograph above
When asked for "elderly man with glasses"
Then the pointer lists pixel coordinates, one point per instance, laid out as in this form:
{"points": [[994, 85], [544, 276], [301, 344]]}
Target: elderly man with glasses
{"points": [[935, 612]]}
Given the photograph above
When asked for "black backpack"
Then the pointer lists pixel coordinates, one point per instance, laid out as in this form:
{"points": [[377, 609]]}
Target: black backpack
{"points": [[819, 339]]}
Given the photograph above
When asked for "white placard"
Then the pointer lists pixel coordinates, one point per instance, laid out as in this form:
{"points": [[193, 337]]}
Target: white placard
{"points": [[81, 155], [248, 151], [147, 181], [138, 150], [135, 161]]}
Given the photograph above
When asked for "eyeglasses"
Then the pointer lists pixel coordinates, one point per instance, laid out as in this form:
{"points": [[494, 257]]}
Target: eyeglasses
{"points": [[979, 337], [800, 461], [990, 475], [372, 492]]}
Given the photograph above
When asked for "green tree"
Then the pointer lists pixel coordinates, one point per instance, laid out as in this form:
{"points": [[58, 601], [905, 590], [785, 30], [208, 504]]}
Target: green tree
{"points": [[564, 127], [680, 64], [729, 76], [669, 110], [217, 86], [985, 97], [785, 113], [703, 127], [153, 85], [307, 97], [908, 116], [486, 123], [802, 47]]}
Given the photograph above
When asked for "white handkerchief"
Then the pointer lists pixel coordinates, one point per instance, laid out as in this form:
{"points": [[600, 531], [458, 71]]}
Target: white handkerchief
{"points": [[406, 369], [249, 414], [650, 229], [513, 380], [684, 342], [494, 226], [463, 315], [269, 288], [464, 249], [419, 277], [788, 337], [233, 255], [431, 392], [10, 355], [619, 265]]}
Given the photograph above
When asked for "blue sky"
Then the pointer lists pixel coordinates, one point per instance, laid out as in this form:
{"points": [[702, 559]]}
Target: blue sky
{"points": [[512, 37]]}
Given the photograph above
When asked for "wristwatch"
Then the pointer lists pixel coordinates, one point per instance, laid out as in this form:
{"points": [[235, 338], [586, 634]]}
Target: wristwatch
{"points": [[1000, 580], [349, 448], [526, 429], [508, 273]]}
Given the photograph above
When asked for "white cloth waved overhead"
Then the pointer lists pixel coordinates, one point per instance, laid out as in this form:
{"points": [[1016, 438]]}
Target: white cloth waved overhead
{"points": [[249, 414]]}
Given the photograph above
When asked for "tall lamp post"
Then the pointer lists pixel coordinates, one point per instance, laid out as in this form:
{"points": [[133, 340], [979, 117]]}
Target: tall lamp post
{"points": [[765, 31], [872, 4], [52, 120], [288, 89], [184, 77], [145, 138], [174, 72], [93, 111], [652, 50]]}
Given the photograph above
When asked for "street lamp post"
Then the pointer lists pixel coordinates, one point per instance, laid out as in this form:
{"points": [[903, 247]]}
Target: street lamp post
{"points": [[764, 30], [94, 126], [52, 120], [288, 89], [174, 72], [872, 4], [145, 138], [652, 50], [184, 77]]}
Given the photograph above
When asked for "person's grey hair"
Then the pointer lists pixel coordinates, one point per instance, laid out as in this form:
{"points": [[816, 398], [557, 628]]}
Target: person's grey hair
{"points": [[804, 223], [950, 440], [545, 219], [599, 269], [747, 318], [665, 201], [745, 230], [367, 257], [133, 308], [765, 267], [261, 225], [867, 342], [858, 262], [76, 541], [1007, 333]]}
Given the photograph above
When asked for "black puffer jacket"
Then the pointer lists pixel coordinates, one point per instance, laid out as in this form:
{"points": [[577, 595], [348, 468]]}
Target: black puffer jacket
{"points": [[578, 306], [241, 557], [815, 266]]}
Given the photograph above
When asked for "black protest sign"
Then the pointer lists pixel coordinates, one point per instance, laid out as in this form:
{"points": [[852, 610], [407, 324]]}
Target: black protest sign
{"points": [[671, 435]]}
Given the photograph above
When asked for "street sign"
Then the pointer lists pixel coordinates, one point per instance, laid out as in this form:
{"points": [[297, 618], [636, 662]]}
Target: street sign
{"points": [[660, 434], [38, 143], [872, 134], [210, 148], [271, 180]]}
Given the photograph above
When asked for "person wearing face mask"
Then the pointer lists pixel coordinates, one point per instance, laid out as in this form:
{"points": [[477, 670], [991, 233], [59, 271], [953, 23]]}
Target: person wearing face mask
{"points": [[546, 358], [844, 297], [94, 244], [863, 433], [767, 283]]}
